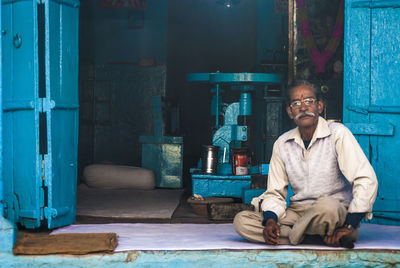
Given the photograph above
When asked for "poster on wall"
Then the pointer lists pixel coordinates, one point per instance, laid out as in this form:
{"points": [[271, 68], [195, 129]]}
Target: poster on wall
{"points": [[126, 4]]}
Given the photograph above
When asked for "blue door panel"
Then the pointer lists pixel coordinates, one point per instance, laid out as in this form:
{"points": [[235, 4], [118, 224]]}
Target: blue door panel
{"points": [[385, 159], [385, 92], [62, 113], [7, 48], [69, 38], [21, 167], [371, 94], [356, 74], [62, 186], [24, 34], [385, 57]]}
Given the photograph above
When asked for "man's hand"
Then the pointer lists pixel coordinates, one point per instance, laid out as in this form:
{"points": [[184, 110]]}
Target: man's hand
{"points": [[271, 232], [333, 240]]}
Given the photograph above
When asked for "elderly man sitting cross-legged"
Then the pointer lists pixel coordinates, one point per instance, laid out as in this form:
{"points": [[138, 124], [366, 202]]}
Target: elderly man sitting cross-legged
{"points": [[333, 182]]}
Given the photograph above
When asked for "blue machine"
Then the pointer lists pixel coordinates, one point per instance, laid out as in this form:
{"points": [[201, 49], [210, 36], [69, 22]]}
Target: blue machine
{"points": [[229, 133]]}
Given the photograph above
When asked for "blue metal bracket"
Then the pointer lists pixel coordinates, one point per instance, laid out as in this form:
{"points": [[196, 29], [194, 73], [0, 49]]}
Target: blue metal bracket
{"points": [[239, 133]]}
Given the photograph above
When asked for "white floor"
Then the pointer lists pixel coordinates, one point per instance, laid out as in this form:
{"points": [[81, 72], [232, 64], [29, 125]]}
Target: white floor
{"points": [[143, 236]]}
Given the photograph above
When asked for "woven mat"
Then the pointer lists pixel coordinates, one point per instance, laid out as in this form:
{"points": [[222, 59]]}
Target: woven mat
{"points": [[73, 243]]}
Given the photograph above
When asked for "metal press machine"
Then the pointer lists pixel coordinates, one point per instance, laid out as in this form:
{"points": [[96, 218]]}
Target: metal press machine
{"points": [[232, 134]]}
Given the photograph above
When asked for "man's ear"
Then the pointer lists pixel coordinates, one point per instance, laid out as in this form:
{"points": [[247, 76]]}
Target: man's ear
{"points": [[321, 105], [289, 112]]}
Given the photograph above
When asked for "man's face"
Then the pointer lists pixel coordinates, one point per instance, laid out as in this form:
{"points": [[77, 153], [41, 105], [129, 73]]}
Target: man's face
{"points": [[304, 108]]}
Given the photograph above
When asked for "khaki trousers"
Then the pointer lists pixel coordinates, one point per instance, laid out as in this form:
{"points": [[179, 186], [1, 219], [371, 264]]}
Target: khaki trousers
{"points": [[319, 218]]}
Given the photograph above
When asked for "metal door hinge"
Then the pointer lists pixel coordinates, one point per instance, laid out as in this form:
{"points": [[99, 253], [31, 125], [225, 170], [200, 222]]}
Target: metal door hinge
{"points": [[47, 105], [56, 212]]}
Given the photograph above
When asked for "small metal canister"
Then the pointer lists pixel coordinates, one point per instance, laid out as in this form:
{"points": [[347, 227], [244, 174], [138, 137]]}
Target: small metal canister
{"points": [[209, 159], [240, 162]]}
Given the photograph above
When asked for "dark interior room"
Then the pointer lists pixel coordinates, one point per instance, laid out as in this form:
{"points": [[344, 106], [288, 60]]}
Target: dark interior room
{"points": [[145, 104]]}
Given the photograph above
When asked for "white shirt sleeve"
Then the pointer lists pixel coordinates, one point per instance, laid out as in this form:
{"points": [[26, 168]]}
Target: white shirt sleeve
{"points": [[275, 196], [358, 171]]}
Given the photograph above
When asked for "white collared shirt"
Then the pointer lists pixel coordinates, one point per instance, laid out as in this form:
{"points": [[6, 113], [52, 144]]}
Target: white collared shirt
{"points": [[332, 165]]}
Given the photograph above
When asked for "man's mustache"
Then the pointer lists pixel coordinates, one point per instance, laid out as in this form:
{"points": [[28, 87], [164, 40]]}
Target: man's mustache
{"points": [[304, 114]]}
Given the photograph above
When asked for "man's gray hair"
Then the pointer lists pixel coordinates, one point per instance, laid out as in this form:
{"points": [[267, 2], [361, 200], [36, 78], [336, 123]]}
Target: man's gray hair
{"points": [[298, 83]]}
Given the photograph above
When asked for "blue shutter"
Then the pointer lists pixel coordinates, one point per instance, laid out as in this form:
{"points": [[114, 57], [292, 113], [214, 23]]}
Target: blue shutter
{"points": [[23, 192], [371, 94], [40, 111], [61, 107]]}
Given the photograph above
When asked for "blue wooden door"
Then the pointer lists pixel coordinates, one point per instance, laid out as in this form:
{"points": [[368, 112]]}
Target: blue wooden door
{"points": [[40, 111], [22, 166], [60, 106], [372, 94]]}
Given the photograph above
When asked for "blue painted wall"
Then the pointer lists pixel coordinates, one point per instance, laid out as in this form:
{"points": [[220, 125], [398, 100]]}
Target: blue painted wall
{"points": [[115, 88], [272, 32], [115, 38]]}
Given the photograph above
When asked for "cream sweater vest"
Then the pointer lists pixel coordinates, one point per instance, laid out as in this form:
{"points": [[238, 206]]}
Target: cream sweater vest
{"points": [[314, 172]]}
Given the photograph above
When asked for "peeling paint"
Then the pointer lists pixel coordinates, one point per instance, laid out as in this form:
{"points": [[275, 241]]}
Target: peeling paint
{"points": [[132, 256], [213, 258]]}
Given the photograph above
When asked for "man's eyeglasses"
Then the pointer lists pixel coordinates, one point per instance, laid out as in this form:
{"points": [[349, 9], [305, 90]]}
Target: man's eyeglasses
{"points": [[307, 102]]}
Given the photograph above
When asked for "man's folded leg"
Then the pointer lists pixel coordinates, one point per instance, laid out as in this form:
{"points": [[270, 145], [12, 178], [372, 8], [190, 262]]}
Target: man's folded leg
{"points": [[248, 224], [321, 218]]}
